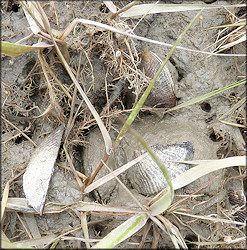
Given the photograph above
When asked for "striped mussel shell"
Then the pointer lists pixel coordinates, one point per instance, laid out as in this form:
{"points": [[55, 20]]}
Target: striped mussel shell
{"points": [[238, 200], [146, 176], [162, 93]]}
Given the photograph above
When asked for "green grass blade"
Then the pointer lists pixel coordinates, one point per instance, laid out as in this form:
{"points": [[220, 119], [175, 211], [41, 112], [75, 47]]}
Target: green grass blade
{"points": [[206, 96], [123, 232], [143, 98], [163, 203], [243, 23], [13, 49]]}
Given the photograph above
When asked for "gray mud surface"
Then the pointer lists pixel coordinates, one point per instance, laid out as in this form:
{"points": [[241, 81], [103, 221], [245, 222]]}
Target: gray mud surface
{"points": [[25, 95]]}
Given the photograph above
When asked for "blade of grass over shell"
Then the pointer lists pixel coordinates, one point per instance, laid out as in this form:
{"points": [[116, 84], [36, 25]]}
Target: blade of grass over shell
{"points": [[105, 134], [166, 200], [163, 203], [143, 98], [206, 96], [114, 174], [123, 232]]}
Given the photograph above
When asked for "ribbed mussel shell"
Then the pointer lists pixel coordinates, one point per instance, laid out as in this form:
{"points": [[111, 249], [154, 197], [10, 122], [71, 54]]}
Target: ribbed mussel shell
{"points": [[162, 93], [146, 176]]}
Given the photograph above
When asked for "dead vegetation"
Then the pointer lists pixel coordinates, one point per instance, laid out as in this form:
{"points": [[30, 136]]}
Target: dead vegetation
{"points": [[47, 98]]}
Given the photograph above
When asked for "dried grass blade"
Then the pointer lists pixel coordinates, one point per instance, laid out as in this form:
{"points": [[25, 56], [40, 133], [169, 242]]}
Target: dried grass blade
{"points": [[5, 194], [114, 174], [4, 201], [9, 245], [173, 232], [20, 205], [85, 228], [204, 168], [111, 6], [239, 40], [126, 7], [211, 218], [93, 207], [113, 29], [4, 237], [36, 242], [33, 227], [242, 23], [33, 16], [143, 9]]}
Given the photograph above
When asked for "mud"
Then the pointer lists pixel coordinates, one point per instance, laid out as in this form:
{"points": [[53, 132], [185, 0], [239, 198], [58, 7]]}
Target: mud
{"points": [[199, 123]]}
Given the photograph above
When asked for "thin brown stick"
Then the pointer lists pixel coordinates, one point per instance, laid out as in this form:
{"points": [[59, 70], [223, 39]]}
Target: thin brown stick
{"points": [[25, 227], [73, 168], [98, 169], [145, 233], [178, 202], [13, 137], [27, 137], [84, 177]]}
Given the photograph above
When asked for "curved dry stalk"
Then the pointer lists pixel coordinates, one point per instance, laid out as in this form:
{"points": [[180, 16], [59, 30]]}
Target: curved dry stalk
{"points": [[113, 29]]}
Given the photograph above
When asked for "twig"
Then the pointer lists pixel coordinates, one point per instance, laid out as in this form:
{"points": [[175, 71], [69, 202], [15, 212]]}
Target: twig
{"points": [[27, 137], [13, 137]]}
